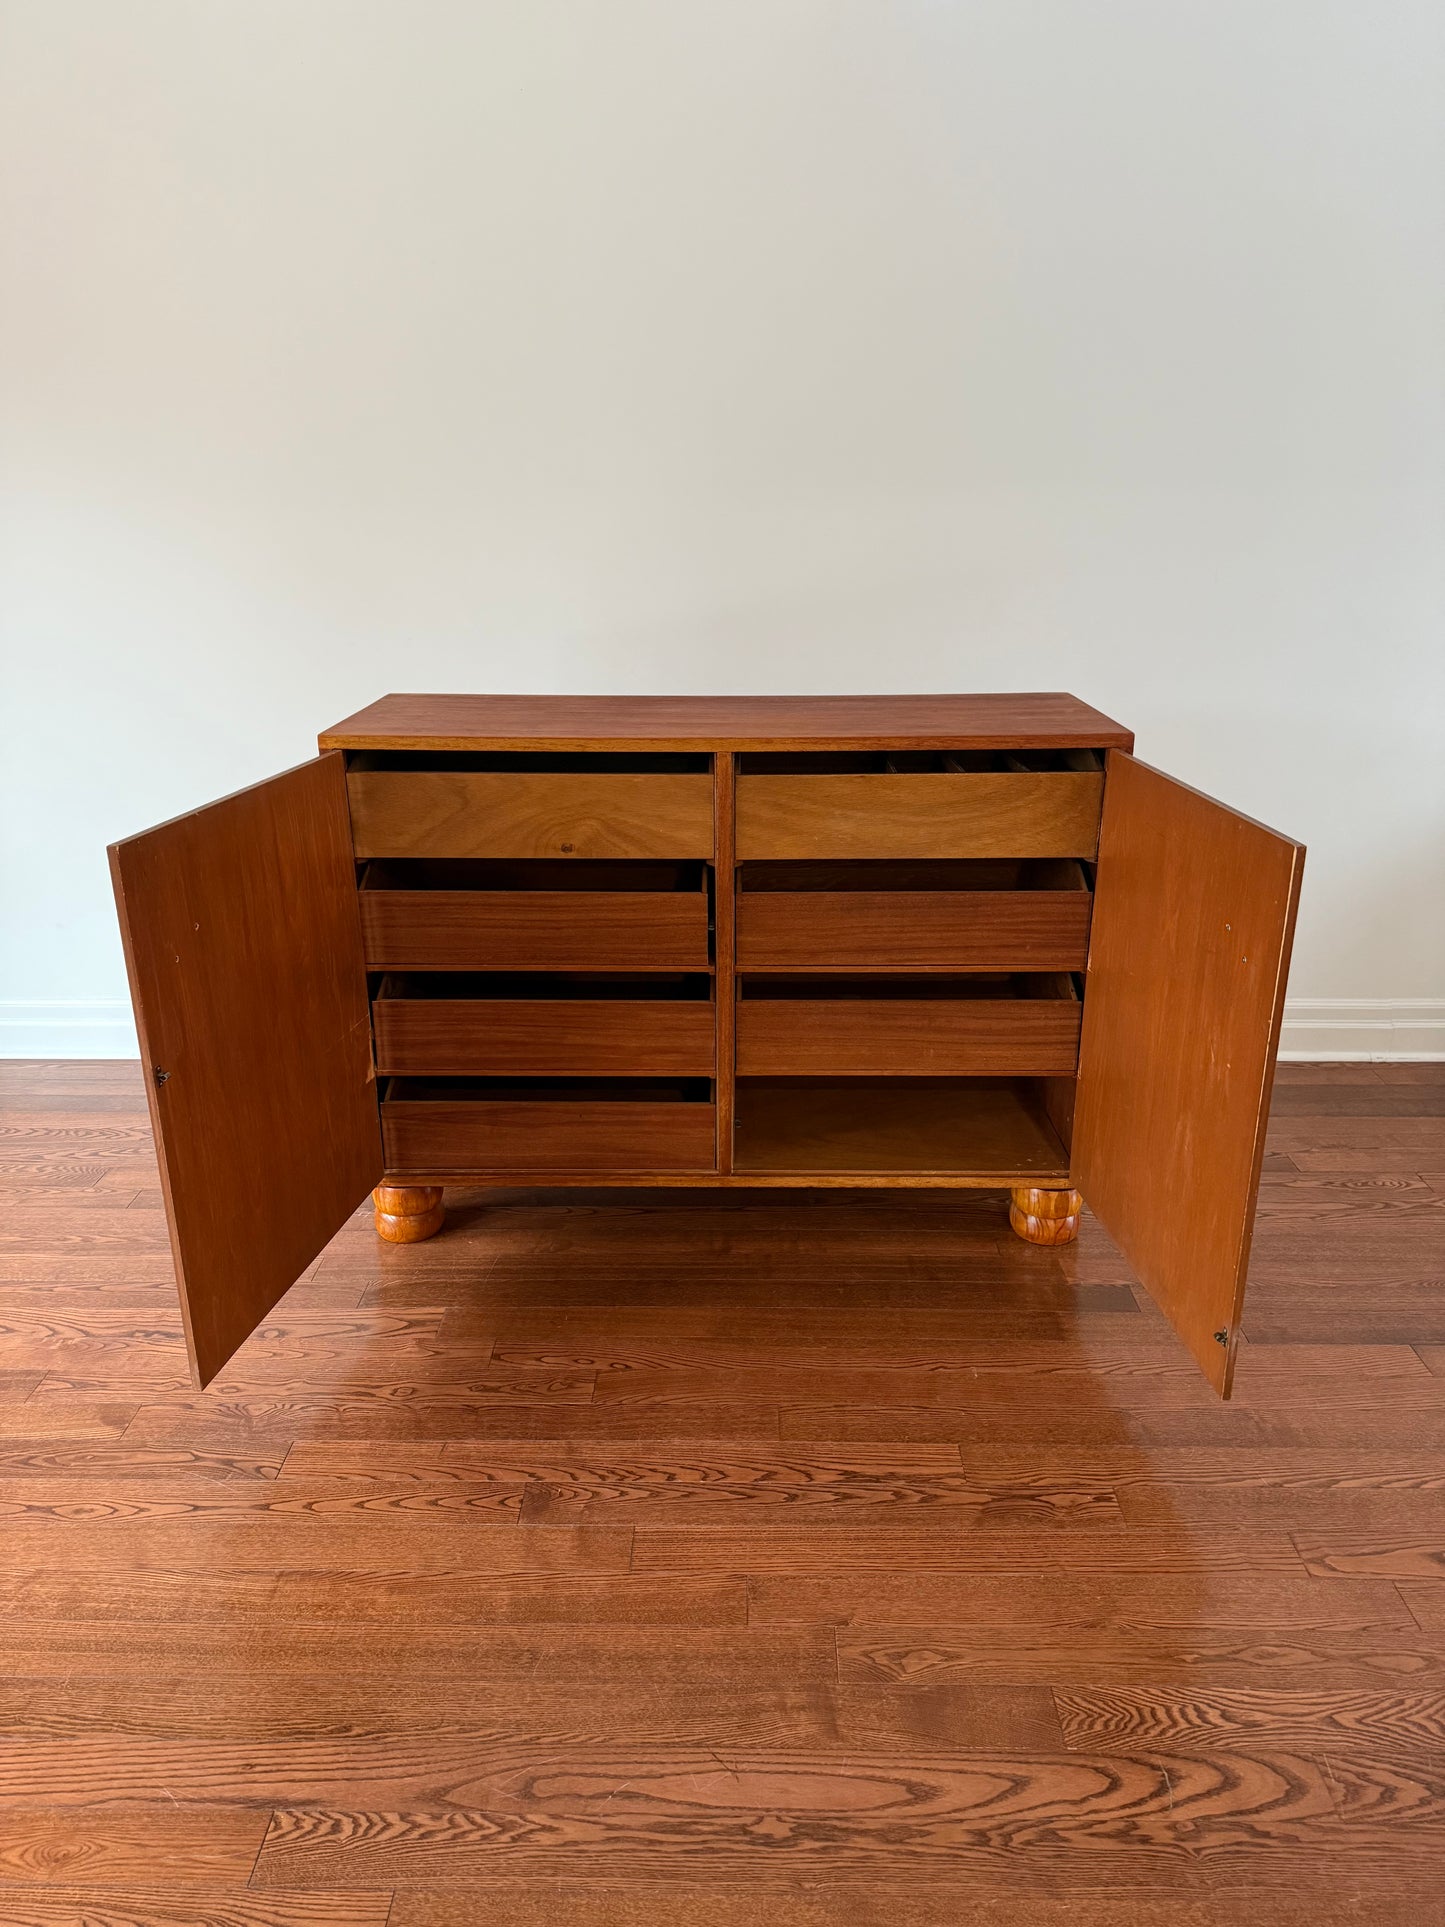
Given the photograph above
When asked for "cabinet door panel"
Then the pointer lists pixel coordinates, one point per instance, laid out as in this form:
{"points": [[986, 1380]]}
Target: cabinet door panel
{"points": [[1194, 912], [243, 944]]}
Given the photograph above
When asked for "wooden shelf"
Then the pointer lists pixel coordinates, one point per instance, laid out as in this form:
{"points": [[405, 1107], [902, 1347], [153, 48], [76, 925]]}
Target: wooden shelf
{"points": [[988, 1130]]}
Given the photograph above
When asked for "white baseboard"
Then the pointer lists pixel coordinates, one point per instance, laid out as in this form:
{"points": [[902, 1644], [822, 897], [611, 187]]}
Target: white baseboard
{"points": [[1350, 1029], [67, 1027], [1363, 1029]]}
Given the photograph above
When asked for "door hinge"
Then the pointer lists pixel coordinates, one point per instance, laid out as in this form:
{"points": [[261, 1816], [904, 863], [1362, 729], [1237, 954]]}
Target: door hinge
{"points": [[159, 1075], [1221, 1338]]}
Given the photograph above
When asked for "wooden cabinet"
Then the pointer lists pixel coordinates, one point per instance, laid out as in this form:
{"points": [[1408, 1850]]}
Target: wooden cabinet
{"points": [[958, 940]]}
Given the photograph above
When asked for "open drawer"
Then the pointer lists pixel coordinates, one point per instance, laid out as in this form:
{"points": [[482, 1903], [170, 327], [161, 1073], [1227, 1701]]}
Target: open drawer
{"points": [[1031, 915], [530, 806], [534, 916], [453, 1126], [934, 806], [1019, 1026], [583, 1026]]}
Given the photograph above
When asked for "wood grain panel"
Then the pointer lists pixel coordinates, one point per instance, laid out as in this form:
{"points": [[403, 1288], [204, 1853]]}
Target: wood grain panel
{"points": [[535, 929], [906, 1037], [1193, 921], [548, 1037], [519, 813], [942, 815], [244, 951], [555, 1134], [597, 723], [899, 930]]}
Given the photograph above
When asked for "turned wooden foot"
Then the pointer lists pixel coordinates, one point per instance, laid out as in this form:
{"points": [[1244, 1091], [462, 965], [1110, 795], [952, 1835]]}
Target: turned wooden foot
{"points": [[1044, 1217], [407, 1213]]}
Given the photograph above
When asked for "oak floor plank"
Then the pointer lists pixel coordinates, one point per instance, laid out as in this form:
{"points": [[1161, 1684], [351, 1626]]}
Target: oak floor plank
{"points": [[1380, 1724], [185, 1905], [1023, 1820], [1172, 1604], [367, 1597], [764, 1551], [554, 1904], [1230, 1659], [579, 1652], [77, 1505], [752, 1691], [129, 1844]]}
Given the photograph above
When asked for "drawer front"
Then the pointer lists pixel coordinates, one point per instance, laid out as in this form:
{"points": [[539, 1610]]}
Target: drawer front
{"points": [[552, 1135], [907, 1037], [525, 813], [931, 815], [545, 1037], [535, 929], [894, 930]]}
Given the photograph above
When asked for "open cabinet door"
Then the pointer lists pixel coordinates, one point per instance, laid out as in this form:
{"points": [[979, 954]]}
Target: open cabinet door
{"points": [[243, 943], [1194, 915]]}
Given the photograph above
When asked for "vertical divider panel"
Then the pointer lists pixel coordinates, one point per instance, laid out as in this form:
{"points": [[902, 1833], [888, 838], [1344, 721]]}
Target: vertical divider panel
{"points": [[725, 951]]}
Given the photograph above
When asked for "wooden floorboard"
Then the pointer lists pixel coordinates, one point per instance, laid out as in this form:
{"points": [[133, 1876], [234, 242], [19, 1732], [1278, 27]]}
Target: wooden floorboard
{"points": [[827, 1560]]}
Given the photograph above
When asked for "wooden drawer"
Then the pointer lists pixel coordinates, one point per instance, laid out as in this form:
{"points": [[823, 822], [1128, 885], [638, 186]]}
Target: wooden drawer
{"points": [[846, 1031], [530, 813], [437, 1128], [442, 1027], [435, 916], [937, 814], [927, 920]]}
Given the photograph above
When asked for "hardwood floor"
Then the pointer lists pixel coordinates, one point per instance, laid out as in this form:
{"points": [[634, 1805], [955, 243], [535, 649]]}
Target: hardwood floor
{"points": [[743, 1560]]}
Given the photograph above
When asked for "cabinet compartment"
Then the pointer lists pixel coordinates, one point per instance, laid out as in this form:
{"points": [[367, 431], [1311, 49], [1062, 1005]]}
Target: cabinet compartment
{"points": [[985, 1130], [457, 1126], [913, 916], [913, 1027], [535, 916], [497, 1026], [461, 806], [925, 805]]}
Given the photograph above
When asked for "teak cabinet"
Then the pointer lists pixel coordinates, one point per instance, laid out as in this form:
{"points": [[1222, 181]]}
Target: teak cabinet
{"points": [[904, 940]]}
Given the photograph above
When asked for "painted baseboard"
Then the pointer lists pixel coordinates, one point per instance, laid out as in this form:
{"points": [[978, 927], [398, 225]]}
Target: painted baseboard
{"points": [[1355, 1029], [1363, 1029], [67, 1027]]}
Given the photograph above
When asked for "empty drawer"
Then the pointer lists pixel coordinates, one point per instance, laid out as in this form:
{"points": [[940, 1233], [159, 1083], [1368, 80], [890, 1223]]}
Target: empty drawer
{"points": [[456, 1128], [530, 813], [923, 1029], [462, 916], [913, 916], [465, 1027], [932, 814]]}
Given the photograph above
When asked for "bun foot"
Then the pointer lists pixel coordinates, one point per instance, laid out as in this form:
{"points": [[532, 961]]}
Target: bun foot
{"points": [[407, 1213], [1044, 1217]]}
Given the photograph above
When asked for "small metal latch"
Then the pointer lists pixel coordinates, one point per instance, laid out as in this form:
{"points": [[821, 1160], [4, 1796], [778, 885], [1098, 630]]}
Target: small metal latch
{"points": [[1221, 1338], [159, 1075]]}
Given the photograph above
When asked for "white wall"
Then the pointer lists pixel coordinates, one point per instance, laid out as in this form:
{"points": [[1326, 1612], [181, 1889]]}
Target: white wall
{"points": [[710, 345]]}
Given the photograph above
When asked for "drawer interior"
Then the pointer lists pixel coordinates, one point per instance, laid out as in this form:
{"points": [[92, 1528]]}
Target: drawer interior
{"points": [[914, 762], [461, 875], [873, 876], [546, 1090], [570, 986], [977, 986], [538, 761]]}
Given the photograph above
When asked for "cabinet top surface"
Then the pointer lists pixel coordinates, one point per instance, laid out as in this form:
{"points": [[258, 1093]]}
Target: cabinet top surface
{"points": [[726, 722]]}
